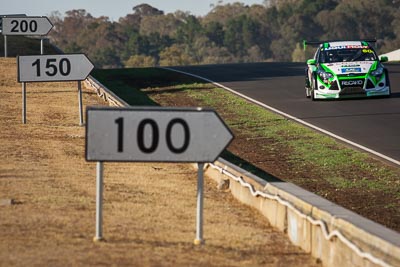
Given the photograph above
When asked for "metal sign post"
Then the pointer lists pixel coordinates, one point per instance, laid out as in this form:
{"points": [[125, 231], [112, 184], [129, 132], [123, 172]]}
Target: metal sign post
{"points": [[200, 196], [155, 134], [52, 68], [80, 103], [5, 46], [99, 202], [41, 46], [24, 103]]}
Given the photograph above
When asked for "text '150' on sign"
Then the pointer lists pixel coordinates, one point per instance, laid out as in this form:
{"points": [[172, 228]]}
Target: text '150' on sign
{"points": [[155, 134], [42, 68]]}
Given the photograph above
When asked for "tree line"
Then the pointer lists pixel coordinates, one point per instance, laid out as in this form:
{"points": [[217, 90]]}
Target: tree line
{"points": [[229, 33]]}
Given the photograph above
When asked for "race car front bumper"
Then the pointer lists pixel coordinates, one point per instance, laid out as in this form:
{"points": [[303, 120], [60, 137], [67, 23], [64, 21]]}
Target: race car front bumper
{"points": [[351, 88]]}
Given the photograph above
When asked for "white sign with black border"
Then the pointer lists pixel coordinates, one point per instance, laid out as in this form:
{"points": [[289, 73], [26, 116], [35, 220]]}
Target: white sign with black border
{"points": [[26, 25], [48, 68], [154, 134]]}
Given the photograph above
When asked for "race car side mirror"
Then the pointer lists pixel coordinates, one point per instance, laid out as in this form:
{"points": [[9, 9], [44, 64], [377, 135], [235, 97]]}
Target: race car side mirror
{"points": [[384, 59], [311, 62]]}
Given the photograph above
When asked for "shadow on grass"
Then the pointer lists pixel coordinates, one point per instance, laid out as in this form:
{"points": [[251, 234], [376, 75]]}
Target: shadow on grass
{"points": [[249, 167], [130, 83], [167, 90]]}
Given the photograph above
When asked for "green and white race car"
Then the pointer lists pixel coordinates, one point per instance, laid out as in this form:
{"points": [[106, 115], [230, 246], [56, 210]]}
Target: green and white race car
{"points": [[344, 69]]}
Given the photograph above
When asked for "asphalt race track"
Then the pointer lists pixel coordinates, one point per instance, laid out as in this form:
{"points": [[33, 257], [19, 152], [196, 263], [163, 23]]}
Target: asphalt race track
{"points": [[371, 123]]}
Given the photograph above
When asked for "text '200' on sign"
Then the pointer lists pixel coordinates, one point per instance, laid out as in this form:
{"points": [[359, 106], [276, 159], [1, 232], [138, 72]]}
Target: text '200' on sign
{"points": [[26, 26], [41, 68], [155, 134]]}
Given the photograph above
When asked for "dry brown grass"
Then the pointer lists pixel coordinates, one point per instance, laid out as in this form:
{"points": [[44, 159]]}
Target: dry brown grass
{"points": [[149, 209]]}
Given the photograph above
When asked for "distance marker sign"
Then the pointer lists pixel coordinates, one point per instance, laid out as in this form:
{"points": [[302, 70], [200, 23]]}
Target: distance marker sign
{"points": [[155, 134], [48, 68], [26, 25]]}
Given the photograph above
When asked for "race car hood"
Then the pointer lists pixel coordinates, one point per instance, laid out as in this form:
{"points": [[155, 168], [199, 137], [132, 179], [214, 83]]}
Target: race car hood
{"points": [[357, 67]]}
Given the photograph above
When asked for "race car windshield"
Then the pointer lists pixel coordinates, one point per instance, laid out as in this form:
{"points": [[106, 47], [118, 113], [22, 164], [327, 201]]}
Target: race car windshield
{"points": [[346, 55]]}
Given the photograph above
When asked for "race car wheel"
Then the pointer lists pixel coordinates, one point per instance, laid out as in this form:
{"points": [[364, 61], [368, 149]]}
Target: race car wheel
{"points": [[388, 82], [307, 86], [314, 87], [308, 92]]}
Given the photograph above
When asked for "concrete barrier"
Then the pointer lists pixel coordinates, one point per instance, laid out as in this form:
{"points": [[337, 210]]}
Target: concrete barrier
{"points": [[333, 234], [104, 93]]}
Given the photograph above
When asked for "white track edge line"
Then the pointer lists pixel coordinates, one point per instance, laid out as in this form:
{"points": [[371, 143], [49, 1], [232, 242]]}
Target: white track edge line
{"points": [[366, 149]]}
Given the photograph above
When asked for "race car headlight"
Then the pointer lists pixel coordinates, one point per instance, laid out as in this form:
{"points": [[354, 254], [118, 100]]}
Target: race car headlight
{"points": [[325, 76], [377, 72]]}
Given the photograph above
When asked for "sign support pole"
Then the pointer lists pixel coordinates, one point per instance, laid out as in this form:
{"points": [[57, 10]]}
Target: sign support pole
{"points": [[200, 192], [81, 123], [99, 202], [41, 45], [5, 45], [24, 103]]}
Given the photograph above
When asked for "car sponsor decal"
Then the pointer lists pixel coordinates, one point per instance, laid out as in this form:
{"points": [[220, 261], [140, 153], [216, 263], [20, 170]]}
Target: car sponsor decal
{"points": [[350, 66], [347, 47], [346, 83], [367, 51], [349, 70]]}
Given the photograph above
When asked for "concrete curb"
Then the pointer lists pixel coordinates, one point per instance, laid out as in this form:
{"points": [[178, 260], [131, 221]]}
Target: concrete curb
{"points": [[104, 93], [369, 237]]}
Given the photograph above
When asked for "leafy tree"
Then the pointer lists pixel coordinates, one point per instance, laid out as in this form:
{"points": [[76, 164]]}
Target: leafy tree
{"points": [[146, 10], [175, 56], [241, 34], [223, 13], [156, 43], [298, 54], [358, 19], [254, 54], [204, 51], [135, 44], [228, 33], [233, 39], [140, 61], [165, 25], [101, 42], [65, 31], [131, 23], [106, 58], [189, 30], [250, 31], [215, 32]]}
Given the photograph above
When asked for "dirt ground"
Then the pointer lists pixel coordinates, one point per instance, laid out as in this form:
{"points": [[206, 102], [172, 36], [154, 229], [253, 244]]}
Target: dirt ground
{"points": [[47, 198]]}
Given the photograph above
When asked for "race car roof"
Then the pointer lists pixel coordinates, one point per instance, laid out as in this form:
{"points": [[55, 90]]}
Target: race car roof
{"points": [[338, 43], [344, 43]]}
